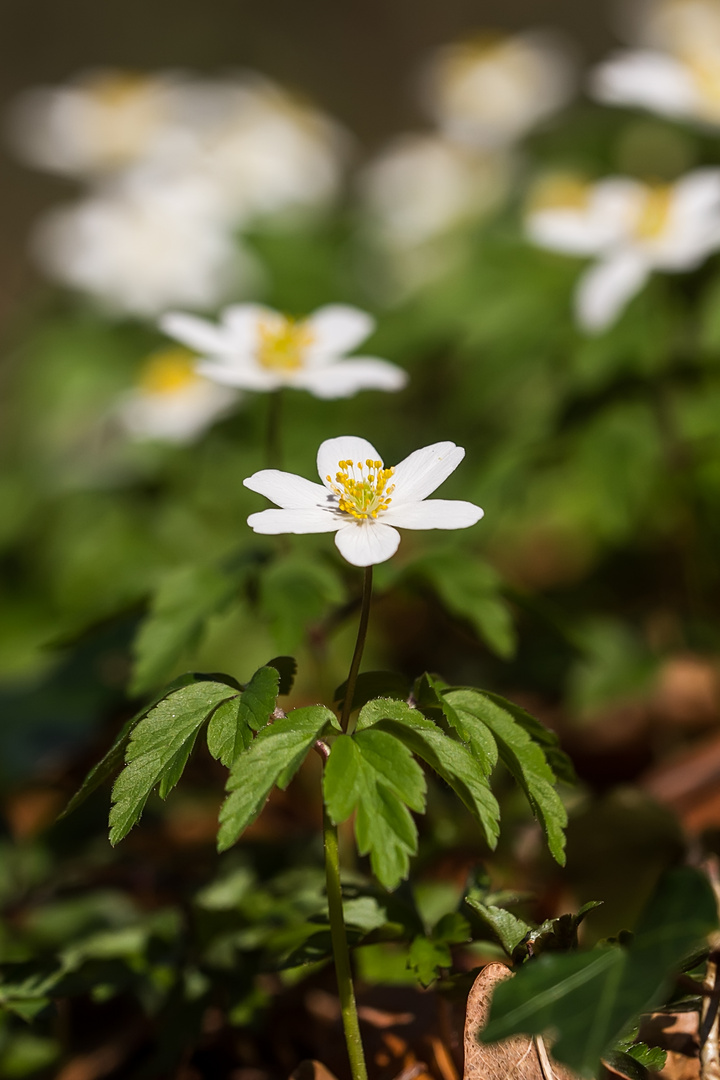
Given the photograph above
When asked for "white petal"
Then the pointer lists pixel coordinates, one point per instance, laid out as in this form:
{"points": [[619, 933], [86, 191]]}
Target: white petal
{"points": [[347, 377], [198, 334], [605, 288], [272, 522], [424, 470], [241, 374], [289, 491], [433, 514], [344, 448], [242, 322], [336, 329], [366, 543], [653, 80], [697, 194]]}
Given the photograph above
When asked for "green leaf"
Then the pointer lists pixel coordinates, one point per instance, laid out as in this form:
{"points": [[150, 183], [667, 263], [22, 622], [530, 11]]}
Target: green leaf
{"points": [[558, 934], [451, 760], [158, 750], [471, 730], [231, 726], [114, 758], [286, 667], [505, 927], [453, 928], [296, 591], [525, 760], [587, 999], [652, 1057], [427, 957], [178, 613], [272, 758], [556, 758], [378, 775], [471, 590]]}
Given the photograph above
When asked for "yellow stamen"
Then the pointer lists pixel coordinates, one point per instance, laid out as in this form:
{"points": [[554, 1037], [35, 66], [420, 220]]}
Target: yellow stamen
{"points": [[282, 343], [362, 495], [168, 372], [707, 80], [654, 212]]}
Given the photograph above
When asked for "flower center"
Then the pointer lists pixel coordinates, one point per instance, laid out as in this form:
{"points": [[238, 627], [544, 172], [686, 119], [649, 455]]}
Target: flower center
{"points": [[362, 494], [168, 372], [282, 344], [706, 73], [654, 212], [560, 191]]}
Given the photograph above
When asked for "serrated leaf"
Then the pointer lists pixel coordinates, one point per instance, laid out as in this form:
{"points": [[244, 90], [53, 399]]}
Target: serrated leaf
{"points": [[526, 762], [625, 1065], [587, 999], [471, 730], [180, 608], [451, 760], [114, 758], [426, 957], [453, 928], [377, 774], [557, 759], [158, 750], [471, 590], [286, 667], [505, 927], [273, 757], [296, 591], [231, 726], [652, 1057], [374, 684]]}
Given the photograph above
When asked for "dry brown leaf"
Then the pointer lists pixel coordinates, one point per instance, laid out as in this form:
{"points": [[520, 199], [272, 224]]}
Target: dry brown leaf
{"points": [[519, 1058]]}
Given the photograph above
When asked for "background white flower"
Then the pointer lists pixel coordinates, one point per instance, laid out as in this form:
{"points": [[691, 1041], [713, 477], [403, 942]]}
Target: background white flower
{"points": [[361, 501], [171, 402], [141, 248], [492, 90], [676, 70], [256, 348], [633, 228]]}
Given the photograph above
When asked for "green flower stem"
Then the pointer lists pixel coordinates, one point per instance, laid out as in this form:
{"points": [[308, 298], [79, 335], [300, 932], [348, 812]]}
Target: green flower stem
{"points": [[273, 444], [341, 953], [359, 646]]}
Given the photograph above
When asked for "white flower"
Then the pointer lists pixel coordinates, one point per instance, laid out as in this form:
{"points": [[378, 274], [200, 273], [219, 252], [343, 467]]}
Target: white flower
{"points": [[101, 122], [361, 501], [492, 90], [676, 71], [256, 348], [171, 402], [140, 248], [423, 185], [632, 228]]}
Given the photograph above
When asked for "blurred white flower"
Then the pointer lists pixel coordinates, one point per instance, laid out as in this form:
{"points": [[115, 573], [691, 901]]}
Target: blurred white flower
{"points": [[256, 348], [139, 248], [632, 228], [492, 90], [361, 501], [676, 71], [171, 402], [99, 123], [262, 149], [423, 185]]}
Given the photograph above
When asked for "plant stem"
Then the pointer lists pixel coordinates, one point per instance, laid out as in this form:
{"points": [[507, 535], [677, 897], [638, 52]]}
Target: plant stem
{"points": [[359, 646], [273, 447], [341, 953]]}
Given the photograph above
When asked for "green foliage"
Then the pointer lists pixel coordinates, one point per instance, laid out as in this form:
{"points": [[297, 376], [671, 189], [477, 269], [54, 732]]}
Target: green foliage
{"points": [[470, 590], [430, 953], [376, 774], [295, 591], [233, 722], [180, 608], [158, 749], [272, 758], [588, 998]]}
